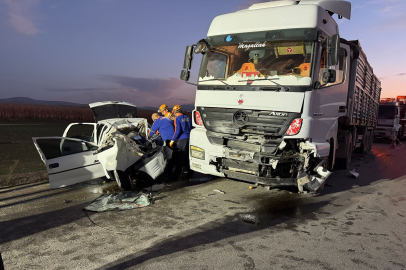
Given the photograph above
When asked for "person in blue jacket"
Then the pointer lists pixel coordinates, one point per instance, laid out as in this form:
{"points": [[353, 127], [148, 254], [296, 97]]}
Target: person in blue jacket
{"points": [[163, 125], [183, 126], [166, 129]]}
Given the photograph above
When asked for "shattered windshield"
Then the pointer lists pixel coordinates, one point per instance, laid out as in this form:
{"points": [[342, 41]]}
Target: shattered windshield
{"points": [[387, 112], [258, 63]]}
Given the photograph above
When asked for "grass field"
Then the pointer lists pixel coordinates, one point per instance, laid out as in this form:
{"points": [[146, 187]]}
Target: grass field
{"points": [[17, 151]]}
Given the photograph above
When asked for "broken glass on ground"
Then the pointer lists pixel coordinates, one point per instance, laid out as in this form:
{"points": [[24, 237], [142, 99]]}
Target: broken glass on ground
{"points": [[121, 201]]}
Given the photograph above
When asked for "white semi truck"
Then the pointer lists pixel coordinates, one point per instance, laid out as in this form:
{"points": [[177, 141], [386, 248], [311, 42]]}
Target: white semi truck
{"points": [[280, 96], [392, 118]]}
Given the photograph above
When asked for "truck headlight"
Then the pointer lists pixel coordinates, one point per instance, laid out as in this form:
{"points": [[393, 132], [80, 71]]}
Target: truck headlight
{"points": [[196, 152]]}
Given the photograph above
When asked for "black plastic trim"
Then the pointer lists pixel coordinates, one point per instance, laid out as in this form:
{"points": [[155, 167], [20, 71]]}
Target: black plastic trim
{"points": [[74, 168], [273, 182]]}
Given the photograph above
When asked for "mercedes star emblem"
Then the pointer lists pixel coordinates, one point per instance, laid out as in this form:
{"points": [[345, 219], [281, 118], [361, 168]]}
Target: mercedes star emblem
{"points": [[240, 118]]}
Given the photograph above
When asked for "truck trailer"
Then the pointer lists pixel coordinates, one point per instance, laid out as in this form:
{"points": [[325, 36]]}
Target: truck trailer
{"points": [[280, 97]]}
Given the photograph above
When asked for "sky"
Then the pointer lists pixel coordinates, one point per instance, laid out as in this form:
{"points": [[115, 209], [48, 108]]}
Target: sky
{"points": [[84, 51]]}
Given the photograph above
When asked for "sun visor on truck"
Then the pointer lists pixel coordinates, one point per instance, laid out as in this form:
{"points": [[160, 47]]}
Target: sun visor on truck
{"points": [[340, 7], [290, 48]]}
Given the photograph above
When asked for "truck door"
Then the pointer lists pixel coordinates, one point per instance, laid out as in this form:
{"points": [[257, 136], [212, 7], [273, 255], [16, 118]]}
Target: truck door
{"points": [[68, 161], [330, 100], [82, 131]]}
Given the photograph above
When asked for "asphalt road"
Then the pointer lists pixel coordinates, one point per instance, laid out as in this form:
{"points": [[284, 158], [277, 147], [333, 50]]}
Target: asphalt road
{"points": [[353, 224]]}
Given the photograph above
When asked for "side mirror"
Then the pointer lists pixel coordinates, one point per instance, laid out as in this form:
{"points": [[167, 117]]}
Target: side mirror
{"points": [[185, 75], [187, 63], [329, 76], [335, 47]]}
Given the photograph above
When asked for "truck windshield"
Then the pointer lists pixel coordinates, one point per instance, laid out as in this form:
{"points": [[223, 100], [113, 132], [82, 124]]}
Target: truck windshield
{"points": [[252, 62], [387, 112]]}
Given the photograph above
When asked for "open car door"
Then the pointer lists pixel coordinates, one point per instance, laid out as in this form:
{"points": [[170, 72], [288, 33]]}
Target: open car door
{"points": [[68, 161]]}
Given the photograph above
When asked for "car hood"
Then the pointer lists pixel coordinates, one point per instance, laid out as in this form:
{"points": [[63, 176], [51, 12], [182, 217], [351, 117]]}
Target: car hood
{"points": [[109, 110]]}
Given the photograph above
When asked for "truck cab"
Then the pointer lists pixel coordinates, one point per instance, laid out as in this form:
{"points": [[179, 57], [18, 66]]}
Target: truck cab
{"points": [[391, 119], [275, 94]]}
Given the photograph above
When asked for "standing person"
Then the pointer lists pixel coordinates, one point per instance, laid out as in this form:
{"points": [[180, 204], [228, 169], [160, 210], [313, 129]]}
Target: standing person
{"points": [[166, 128], [163, 109], [183, 125]]}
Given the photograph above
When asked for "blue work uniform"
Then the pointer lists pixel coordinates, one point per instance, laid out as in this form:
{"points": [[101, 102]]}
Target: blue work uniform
{"points": [[165, 128], [183, 125]]}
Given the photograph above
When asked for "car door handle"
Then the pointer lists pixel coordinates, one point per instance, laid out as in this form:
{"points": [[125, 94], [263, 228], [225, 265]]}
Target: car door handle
{"points": [[53, 165]]}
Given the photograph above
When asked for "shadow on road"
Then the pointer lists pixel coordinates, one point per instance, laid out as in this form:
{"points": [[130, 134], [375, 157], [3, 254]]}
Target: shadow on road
{"points": [[271, 213], [382, 163], [26, 226], [19, 187]]}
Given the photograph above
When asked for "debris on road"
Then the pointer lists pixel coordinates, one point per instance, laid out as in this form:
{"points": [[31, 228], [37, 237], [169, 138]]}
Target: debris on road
{"points": [[201, 178], [121, 201], [156, 187], [355, 174], [250, 218], [219, 191], [67, 201]]}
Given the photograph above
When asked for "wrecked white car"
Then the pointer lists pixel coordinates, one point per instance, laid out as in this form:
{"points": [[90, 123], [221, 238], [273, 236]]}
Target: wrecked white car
{"points": [[114, 147]]}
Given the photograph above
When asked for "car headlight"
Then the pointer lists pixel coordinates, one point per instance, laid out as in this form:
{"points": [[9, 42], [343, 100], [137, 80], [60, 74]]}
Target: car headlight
{"points": [[196, 152]]}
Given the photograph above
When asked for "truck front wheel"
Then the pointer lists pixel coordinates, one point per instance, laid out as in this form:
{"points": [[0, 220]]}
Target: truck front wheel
{"points": [[344, 163]]}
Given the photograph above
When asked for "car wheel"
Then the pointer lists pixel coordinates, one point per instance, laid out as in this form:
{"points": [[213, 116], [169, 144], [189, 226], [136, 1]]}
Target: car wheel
{"points": [[123, 180]]}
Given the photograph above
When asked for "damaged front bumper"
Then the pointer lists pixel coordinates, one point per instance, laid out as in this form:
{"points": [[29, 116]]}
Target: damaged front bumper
{"points": [[294, 163], [276, 162]]}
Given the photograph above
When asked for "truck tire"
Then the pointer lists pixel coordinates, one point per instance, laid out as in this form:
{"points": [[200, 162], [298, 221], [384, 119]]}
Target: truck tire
{"points": [[329, 162], [123, 180], [344, 163], [401, 133], [363, 149], [371, 140]]}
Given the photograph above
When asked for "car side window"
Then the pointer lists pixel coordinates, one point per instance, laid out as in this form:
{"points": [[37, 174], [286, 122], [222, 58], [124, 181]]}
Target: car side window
{"points": [[82, 132], [100, 129], [58, 147]]}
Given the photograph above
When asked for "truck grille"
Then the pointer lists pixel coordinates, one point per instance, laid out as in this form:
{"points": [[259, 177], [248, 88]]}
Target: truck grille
{"points": [[239, 122]]}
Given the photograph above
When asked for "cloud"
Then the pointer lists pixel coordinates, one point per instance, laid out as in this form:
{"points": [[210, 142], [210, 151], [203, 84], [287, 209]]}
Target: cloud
{"points": [[145, 85], [401, 74], [90, 89], [248, 3], [178, 99], [387, 8], [21, 17]]}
